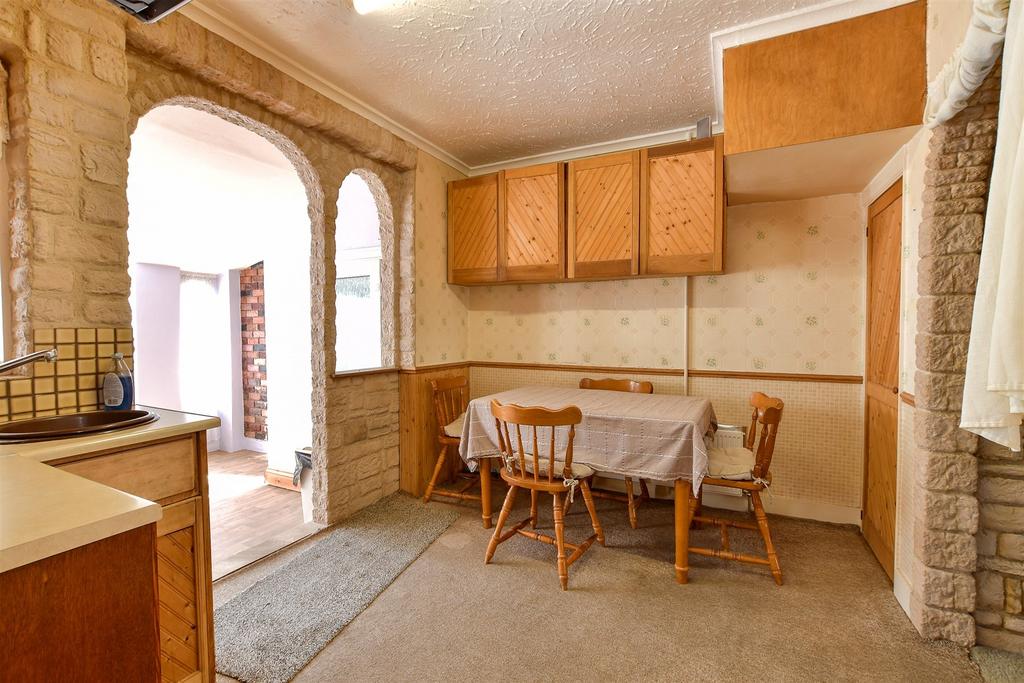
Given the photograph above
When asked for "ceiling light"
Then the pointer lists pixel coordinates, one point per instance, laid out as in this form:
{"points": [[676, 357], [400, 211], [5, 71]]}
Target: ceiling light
{"points": [[367, 6]]}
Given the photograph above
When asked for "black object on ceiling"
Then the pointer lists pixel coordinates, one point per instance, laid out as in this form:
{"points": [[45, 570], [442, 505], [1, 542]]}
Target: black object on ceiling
{"points": [[149, 11]]}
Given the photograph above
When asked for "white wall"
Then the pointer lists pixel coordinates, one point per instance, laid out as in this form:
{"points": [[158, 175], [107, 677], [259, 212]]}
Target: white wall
{"points": [[155, 303]]}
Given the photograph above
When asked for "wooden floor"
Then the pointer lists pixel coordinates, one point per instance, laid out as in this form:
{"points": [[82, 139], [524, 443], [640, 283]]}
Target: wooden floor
{"points": [[249, 519]]}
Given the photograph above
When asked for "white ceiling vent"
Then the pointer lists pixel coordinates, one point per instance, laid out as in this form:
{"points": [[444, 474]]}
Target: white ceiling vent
{"points": [[149, 11]]}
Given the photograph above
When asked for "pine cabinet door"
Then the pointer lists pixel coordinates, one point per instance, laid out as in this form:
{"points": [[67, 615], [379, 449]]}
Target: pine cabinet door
{"points": [[533, 223], [473, 230], [603, 216], [682, 218], [183, 587]]}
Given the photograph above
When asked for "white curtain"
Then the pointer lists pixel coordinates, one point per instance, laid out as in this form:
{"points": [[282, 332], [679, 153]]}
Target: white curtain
{"points": [[993, 401], [965, 72]]}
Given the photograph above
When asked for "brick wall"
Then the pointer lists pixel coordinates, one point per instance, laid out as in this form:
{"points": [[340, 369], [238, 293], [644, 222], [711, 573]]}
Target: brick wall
{"points": [[254, 351], [969, 494], [82, 73]]}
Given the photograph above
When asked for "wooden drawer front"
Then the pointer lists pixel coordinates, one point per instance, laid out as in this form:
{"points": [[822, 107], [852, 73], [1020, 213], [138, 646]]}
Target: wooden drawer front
{"points": [[153, 472]]}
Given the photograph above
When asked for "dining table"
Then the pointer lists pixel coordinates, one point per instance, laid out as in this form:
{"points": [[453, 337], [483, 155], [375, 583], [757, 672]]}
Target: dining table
{"points": [[656, 437]]}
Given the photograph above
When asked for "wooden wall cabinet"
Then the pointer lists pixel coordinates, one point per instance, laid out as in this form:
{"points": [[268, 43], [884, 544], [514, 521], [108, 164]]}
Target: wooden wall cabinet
{"points": [[682, 208], [531, 213], [473, 230], [856, 76], [173, 473], [603, 216]]}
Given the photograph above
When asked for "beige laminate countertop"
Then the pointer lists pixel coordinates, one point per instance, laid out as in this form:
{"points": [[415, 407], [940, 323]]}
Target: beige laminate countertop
{"points": [[45, 511], [170, 423]]}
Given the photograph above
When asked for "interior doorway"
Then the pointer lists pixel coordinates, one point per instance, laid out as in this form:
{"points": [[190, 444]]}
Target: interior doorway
{"points": [[219, 247], [881, 382]]}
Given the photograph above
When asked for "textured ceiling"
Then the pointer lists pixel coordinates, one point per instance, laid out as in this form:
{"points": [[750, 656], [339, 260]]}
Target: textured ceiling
{"points": [[493, 80]]}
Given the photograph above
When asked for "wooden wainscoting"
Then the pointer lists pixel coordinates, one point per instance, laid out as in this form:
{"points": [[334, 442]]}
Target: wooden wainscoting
{"points": [[418, 446]]}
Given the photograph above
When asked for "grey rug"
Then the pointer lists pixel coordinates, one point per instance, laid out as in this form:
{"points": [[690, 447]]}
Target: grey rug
{"points": [[268, 632]]}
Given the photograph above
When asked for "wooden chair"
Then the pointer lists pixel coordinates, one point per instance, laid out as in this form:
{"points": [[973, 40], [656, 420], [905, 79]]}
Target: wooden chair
{"points": [[451, 396], [556, 474], [634, 387], [747, 468]]}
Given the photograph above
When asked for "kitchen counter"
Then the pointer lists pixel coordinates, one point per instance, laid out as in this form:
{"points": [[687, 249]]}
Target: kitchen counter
{"points": [[45, 511], [170, 423]]}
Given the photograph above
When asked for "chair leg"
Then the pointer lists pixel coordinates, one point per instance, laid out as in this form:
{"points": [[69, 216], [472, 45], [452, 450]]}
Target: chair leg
{"points": [[645, 494], [510, 500], [563, 569], [630, 503], [437, 472], [589, 500], [533, 508], [696, 524], [762, 523]]}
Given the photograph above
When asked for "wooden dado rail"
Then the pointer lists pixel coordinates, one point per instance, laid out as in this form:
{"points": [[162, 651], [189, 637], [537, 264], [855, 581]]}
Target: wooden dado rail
{"points": [[418, 435]]}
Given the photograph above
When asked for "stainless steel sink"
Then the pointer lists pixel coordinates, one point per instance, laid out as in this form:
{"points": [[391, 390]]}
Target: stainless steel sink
{"points": [[76, 424]]}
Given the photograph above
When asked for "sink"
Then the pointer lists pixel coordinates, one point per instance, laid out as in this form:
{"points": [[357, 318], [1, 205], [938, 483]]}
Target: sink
{"points": [[75, 424]]}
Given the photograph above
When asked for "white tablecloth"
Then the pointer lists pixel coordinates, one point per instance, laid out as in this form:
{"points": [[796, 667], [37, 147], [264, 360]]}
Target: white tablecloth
{"points": [[645, 436]]}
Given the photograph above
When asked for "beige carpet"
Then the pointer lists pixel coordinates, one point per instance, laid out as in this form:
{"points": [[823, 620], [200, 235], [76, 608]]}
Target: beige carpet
{"points": [[450, 617]]}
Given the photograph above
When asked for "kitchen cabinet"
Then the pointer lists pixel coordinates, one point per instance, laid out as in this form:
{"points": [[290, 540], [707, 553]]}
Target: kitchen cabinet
{"points": [[682, 208], [603, 216], [473, 230], [532, 216], [171, 472]]}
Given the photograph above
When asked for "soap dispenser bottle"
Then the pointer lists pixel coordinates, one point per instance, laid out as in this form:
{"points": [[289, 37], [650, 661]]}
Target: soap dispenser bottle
{"points": [[118, 386]]}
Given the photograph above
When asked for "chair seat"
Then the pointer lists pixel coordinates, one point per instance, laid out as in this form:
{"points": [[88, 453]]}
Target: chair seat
{"points": [[579, 470], [735, 463], [454, 429]]}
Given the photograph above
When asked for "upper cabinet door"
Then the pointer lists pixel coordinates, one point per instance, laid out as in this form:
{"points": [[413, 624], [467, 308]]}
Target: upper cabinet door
{"points": [[604, 212], [533, 223], [473, 230], [682, 216]]}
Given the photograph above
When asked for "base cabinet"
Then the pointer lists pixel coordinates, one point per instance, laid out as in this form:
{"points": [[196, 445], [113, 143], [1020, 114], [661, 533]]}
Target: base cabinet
{"points": [[172, 473]]}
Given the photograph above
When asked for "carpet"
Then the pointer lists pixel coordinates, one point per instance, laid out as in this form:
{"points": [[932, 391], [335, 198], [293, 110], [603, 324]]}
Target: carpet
{"points": [[269, 631]]}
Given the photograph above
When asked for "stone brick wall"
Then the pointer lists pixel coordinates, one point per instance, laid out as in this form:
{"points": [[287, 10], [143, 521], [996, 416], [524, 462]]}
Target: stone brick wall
{"points": [[81, 75], [254, 351], [969, 494]]}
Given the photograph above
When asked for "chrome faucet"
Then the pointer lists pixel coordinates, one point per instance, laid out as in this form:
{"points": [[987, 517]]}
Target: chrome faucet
{"points": [[50, 356]]}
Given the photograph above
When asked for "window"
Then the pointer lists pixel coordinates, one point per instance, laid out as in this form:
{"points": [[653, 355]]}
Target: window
{"points": [[358, 278]]}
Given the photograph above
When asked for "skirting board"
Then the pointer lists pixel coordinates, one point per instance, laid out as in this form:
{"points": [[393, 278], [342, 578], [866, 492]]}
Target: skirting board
{"points": [[901, 589], [279, 479], [727, 500]]}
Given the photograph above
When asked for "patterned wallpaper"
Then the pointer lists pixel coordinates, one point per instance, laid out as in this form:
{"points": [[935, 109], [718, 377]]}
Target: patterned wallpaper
{"points": [[792, 297], [631, 323], [441, 315]]}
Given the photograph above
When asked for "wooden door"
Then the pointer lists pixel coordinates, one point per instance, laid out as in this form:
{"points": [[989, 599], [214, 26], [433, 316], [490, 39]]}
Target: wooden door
{"points": [[183, 587], [603, 216], [533, 223], [473, 230], [682, 208], [881, 400]]}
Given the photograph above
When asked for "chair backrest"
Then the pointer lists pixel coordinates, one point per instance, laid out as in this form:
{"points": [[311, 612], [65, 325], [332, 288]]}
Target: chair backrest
{"points": [[768, 414], [510, 421], [451, 396], [630, 385]]}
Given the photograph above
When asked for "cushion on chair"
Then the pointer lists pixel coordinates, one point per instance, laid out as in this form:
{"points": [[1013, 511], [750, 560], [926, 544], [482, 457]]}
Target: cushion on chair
{"points": [[734, 462], [579, 470], [454, 429]]}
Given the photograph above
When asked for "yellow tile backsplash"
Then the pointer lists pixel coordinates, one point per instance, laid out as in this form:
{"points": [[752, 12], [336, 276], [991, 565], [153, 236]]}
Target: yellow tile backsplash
{"points": [[73, 383]]}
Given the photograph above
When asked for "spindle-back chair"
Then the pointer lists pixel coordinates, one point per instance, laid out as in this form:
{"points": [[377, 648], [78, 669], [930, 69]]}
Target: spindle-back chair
{"points": [[532, 461], [759, 446], [451, 396]]}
